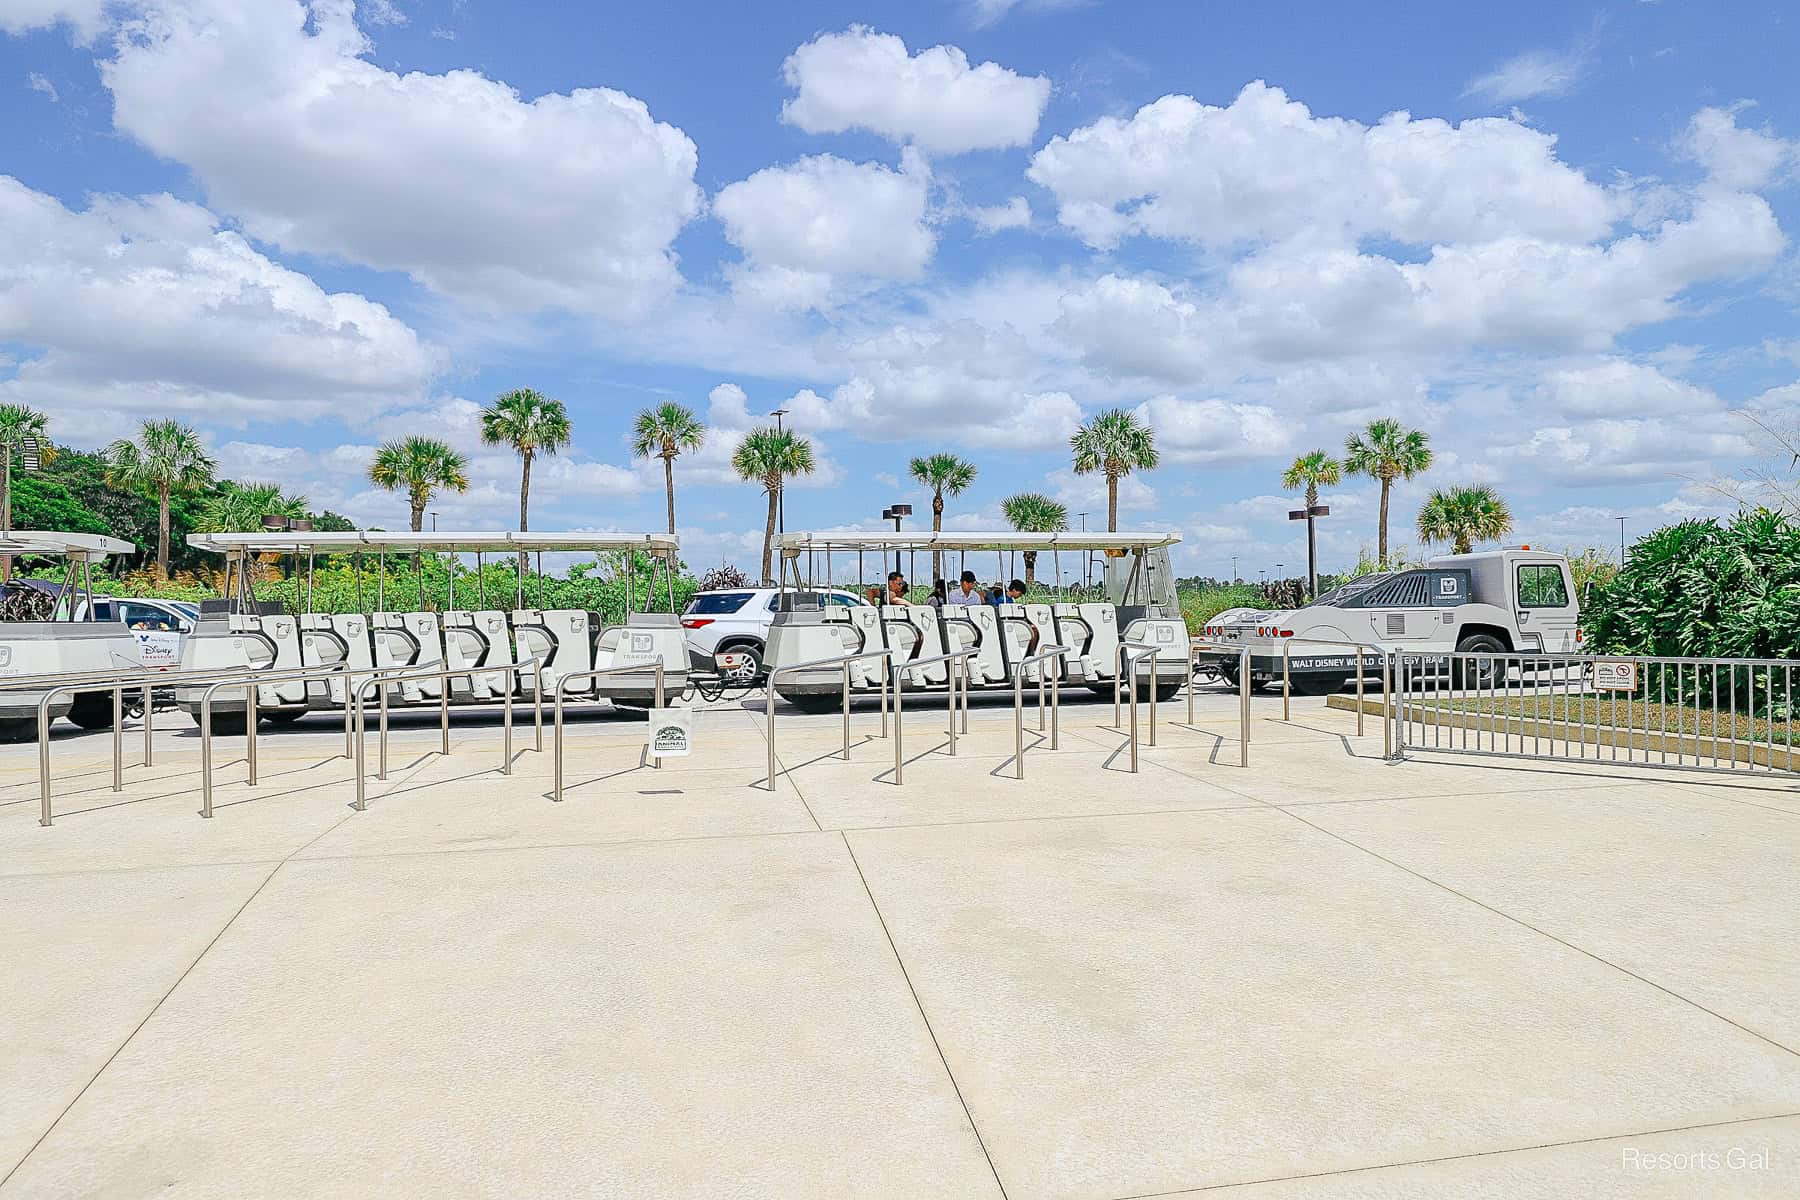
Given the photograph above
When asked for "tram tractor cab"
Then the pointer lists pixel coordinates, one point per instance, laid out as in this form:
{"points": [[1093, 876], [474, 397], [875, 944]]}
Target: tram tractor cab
{"points": [[477, 645], [43, 631], [1134, 600], [1511, 601]]}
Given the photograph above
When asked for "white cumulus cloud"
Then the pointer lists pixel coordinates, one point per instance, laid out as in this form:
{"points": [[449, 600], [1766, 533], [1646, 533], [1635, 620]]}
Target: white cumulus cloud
{"points": [[935, 100], [1733, 156], [804, 226], [148, 306], [1264, 169], [567, 199]]}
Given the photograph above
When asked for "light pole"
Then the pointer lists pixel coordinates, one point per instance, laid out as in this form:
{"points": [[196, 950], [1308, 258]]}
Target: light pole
{"points": [[1621, 521], [1310, 514], [434, 522], [1234, 559], [1087, 556], [894, 512], [780, 488]]}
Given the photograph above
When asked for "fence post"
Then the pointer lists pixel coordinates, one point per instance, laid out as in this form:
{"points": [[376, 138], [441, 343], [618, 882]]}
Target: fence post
{"points": [[769, 712], [1359, 691], [1286, 684], [846, 710]]}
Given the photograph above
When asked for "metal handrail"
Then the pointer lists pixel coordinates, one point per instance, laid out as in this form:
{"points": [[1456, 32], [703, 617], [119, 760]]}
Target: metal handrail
{"points": [[357, 681], [356, 702], [1048, 652], [233, 675], [1359, 647], [843, 660], [957, 658], [562, 685], [1243, 652], [1126, 661], [1120, 674], [251, 686]]}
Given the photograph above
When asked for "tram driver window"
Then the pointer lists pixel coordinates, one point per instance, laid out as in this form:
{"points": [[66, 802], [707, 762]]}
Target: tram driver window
{"points": [[1541, 586]]}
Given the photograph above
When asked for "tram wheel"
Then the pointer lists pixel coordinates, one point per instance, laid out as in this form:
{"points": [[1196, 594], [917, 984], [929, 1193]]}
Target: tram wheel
{"points": [[92, 710], [281, 716], [817, 705], [1317, 683], [226, 724], [18, 729]]}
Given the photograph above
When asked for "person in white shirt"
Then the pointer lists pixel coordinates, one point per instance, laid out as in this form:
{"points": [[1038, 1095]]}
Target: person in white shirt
{"points": [[966, 592]]}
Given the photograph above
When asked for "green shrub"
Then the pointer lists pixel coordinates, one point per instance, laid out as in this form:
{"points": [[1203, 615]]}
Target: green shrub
{"points": [[1702, 589], [1200, 605]]}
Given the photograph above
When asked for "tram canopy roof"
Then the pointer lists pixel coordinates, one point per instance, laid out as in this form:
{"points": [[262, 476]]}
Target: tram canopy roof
{"points": [[853, 540], [38, 541], [374, 542]]}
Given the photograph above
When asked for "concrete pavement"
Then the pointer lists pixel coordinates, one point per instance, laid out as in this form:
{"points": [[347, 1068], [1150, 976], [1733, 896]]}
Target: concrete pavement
{"points": [[1323, 975]]}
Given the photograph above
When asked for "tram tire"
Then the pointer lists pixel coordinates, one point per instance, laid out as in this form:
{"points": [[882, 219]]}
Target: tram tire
{"points": [[281, 716], [817, 705], [1318, 683], [18, 729], [225, 724], [92, 710], [1477, 674]]}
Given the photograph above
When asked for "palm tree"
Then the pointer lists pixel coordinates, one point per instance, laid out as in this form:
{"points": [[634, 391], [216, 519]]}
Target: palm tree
{"points": [[422, 466], [1309, 472], [532, 424], [1464, 516], [240, 508], [767, 456], [1030, 512], [167, 458], [17, 422], [942, 473], [1118, 443], [664, 432], [1386, 450]]}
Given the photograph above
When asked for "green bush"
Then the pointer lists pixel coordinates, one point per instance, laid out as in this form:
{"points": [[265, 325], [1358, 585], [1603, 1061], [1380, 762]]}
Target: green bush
{"points": [[1702, 589], [1200, 605]]}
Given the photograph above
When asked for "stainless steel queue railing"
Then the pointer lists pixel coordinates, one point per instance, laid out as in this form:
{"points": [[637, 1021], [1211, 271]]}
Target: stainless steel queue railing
{"points": [[958, 659], [356, 701], [556, 787], [118, 683], [1055, 684], [1287, 684], [841, 660]]}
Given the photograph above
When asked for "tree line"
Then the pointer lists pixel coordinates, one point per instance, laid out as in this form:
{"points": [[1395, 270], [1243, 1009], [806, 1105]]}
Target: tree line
{"points": [[167, 465]]}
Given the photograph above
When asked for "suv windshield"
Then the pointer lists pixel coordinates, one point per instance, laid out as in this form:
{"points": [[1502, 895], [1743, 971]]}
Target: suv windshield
{"points": [[714, 604]]}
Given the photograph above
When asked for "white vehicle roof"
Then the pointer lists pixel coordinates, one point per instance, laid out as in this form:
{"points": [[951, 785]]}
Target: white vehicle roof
{"points": [[371, 542], [1007, 540], [37, 541]]}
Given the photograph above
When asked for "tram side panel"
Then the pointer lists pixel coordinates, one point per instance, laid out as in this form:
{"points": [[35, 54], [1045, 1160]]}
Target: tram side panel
{"points": [[640, 642], [561, 639]]}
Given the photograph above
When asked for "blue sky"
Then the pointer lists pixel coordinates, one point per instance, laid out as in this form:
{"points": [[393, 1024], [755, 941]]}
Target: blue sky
{"points": [[945, 225]]}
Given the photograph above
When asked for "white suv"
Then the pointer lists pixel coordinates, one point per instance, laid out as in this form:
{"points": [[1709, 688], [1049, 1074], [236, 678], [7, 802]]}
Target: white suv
{"points": [[738, 619]]}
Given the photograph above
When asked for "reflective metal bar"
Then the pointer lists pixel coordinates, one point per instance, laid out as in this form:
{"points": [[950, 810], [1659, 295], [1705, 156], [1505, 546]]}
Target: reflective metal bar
{"points": [[899, 724], [846, 708], [251, 720], [118, 739], [506, 722], [1244, 708]]}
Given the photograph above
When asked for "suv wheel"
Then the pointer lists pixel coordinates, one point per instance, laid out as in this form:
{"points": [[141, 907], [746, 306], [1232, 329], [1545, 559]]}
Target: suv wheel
{"points": [[752, 670]]}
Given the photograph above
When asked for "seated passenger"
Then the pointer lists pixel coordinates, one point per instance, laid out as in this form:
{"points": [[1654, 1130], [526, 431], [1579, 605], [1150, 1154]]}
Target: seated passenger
{"points": [[938, 599], [966, 593], [1015, 592], [896, 589], [873, 596]]}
